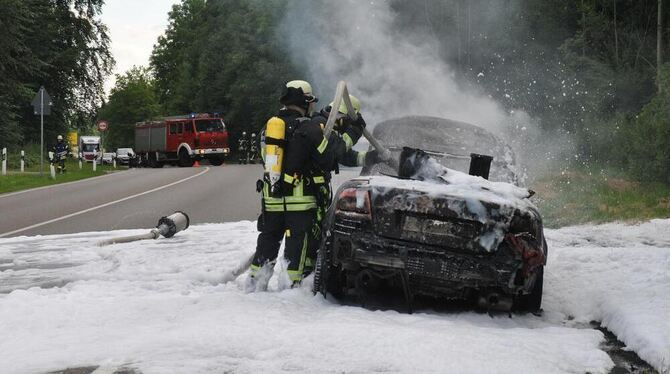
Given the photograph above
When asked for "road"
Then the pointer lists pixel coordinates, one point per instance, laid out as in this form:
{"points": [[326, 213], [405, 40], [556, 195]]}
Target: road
{"points": [[135, 198]]}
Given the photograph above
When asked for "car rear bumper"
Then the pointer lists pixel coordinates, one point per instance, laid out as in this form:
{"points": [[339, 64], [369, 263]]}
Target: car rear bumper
{"points": [[431, 270]]}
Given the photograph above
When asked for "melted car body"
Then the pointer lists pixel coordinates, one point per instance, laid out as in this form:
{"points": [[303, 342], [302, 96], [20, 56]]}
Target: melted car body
{"points": [[436, 232]]}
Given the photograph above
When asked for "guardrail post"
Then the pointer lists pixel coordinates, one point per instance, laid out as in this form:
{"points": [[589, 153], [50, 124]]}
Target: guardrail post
{"points": [[4, 161], [95, 159], [52, 167], [23, 160]]}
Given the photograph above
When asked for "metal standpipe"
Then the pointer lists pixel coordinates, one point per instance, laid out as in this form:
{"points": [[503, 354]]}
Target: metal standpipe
{"points": [[167, 227]]}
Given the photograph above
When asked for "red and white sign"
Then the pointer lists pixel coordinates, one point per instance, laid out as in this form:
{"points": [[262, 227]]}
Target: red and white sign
{"points": [[102, 125]]}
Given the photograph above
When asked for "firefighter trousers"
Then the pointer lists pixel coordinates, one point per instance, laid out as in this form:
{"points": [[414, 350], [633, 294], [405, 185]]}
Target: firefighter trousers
{"points": [[296, 227]]}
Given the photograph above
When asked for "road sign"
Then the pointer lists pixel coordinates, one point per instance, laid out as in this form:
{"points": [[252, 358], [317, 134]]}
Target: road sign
{"points": [[42, 105], [42, 102], [102, 125]]}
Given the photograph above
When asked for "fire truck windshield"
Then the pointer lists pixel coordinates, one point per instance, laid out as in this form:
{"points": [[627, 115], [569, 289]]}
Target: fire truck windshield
{"points": [[209, 125]]}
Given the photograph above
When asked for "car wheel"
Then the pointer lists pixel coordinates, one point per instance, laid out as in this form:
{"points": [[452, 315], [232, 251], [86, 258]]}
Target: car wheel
{"points": [[533, 301], [216, 161], [327, 278], [185, 159]]}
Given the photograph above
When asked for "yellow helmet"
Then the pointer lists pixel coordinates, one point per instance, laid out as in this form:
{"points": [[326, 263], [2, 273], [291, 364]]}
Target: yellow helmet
{"points": [[354, 102], [303, 86]]}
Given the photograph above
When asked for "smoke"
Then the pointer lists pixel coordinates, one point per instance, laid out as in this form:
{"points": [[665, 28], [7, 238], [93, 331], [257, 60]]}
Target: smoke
{"points": [[394, 73]]}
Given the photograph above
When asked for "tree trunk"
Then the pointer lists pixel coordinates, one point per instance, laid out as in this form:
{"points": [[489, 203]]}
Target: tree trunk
{"points": [[616, 38], [583, 30], [659, 44]]}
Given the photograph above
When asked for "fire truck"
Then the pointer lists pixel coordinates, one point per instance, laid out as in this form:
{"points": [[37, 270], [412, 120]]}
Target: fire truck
{"points": [[182, 140]]}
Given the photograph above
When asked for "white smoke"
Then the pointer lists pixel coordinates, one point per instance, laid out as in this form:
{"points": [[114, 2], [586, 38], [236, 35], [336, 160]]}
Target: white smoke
{"points": [[394, 74]]}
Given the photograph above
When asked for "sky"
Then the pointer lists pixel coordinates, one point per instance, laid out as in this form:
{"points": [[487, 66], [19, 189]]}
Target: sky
{"points": [[134, 27]]}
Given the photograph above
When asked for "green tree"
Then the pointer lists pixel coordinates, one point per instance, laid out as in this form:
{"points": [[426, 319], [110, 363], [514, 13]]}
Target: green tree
{"points": [[648, 145], [61, 45], [133, 99], [223, 56]]}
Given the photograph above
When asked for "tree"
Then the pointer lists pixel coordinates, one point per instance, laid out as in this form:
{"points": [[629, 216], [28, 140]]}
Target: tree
{"points": [[223, 56], [133, 99], [61, 45]]}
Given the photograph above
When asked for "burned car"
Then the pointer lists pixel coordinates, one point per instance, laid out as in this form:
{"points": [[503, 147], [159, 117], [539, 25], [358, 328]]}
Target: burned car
{"points": [[449, 142], [434, 231]]}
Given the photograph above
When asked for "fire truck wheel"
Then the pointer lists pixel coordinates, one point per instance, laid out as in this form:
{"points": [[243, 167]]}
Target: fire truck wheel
{"points": [[216, 161], [185, 159]]}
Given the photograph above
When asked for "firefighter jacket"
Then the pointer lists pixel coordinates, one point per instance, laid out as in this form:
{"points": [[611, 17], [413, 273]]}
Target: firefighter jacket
{"points": [[308, 161], [61, 150]]}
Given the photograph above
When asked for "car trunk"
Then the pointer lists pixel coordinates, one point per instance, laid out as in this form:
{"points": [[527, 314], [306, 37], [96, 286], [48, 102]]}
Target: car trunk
{"points": [[449, 222]]}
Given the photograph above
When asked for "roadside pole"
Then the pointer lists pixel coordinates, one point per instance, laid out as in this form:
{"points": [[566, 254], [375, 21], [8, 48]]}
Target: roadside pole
{"points": [[4, 161], [39, 101], [23, 160], [79, 157], [95, 159], [42, 132]]}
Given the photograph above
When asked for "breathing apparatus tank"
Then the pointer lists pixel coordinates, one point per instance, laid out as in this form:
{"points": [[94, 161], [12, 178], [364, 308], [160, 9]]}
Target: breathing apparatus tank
{"points": [[275, 136]]}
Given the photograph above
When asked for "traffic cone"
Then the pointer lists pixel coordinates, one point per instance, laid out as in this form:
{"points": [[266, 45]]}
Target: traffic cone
{"points": [[196, 164]]}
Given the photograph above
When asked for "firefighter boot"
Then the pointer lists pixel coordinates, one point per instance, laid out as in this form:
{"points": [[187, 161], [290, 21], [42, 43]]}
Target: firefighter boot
{"points": [[259, 278]]}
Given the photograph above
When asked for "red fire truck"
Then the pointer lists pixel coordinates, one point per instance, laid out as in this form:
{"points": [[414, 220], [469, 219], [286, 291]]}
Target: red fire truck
{"points": [[182, 140]]}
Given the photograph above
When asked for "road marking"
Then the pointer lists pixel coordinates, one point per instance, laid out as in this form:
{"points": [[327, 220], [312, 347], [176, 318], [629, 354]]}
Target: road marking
{"points": [[103, 205], [62, 184]]}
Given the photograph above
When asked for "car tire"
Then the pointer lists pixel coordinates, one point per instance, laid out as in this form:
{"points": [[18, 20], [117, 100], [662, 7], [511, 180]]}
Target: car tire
{"points": [[185, 159], [327, 278], [216, 161], [532, 302]]}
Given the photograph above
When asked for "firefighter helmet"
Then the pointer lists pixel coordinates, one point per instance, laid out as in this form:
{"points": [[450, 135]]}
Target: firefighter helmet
{"points": [[59, 137], [298, 92], [354, 102]]}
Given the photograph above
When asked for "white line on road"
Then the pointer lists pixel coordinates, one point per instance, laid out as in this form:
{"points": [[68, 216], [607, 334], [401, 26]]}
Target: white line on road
{"points": [[103, 205]]}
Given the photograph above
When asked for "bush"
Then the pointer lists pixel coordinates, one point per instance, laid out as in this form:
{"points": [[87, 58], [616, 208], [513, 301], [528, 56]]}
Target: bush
{"points": [[648, 137]]}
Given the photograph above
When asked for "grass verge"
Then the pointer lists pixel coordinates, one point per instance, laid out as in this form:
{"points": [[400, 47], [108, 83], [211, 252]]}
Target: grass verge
{"points": [[578, 197], [17, 181]]}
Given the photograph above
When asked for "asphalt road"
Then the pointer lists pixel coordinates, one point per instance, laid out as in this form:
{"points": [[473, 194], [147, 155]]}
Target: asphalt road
{"points": [[135, 198]]}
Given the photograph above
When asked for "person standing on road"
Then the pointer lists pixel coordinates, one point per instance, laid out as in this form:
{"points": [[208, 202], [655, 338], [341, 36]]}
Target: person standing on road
{"points": [[253, 148], [291, 213], [344, 126], [243, 147], [60, 150]]}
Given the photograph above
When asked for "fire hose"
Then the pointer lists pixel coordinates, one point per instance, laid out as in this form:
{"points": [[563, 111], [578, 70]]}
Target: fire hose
{"points": [[167, 227], [342, 93]]}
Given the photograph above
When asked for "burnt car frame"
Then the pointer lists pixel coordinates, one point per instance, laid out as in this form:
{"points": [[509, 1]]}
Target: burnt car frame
{"points": [[435, 232]]}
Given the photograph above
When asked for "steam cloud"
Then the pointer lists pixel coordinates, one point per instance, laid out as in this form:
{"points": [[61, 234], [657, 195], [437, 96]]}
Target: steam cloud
{"points": [[393, 73]]}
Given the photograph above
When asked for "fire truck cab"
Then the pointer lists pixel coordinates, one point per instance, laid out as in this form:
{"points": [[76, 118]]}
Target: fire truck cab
{"points": [[182, 140]]}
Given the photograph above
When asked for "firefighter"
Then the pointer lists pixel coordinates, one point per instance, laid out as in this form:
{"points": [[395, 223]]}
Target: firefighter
{"points": [[346, 157], [289, 203], [243, 147], [253, 149], [60, 150]]}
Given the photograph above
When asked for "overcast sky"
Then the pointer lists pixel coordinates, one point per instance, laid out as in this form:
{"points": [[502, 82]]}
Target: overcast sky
{"points": [[134, 27]]}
